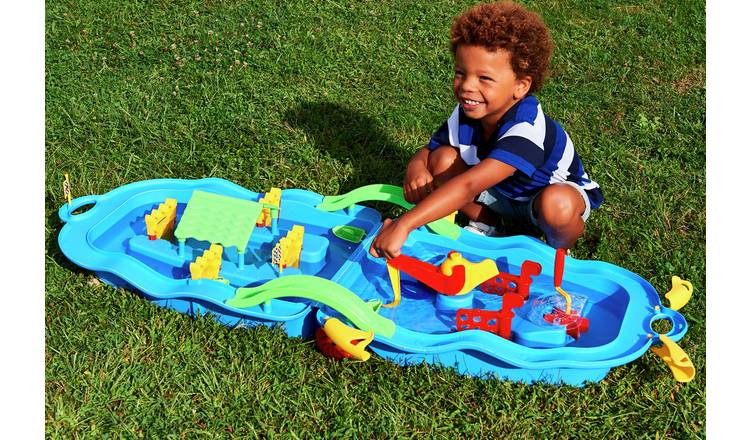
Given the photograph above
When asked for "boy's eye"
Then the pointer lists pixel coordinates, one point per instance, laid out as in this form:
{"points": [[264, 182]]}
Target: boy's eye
{"points": [[485, 78], [459, 73]]}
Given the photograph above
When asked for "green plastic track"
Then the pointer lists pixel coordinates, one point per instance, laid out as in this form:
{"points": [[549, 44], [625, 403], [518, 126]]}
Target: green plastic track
{"points": [[321, 290], [384, 193]]}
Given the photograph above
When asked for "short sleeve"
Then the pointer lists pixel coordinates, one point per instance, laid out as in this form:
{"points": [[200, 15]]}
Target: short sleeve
{"points": [[518, 152], [440, 137]]}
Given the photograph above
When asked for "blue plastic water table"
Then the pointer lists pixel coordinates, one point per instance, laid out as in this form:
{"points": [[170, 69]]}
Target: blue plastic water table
{"points": [[337, 278]]}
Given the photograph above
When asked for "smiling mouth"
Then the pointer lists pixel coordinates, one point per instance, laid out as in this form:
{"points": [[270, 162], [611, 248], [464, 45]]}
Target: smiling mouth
{"points": [[470, 102]]}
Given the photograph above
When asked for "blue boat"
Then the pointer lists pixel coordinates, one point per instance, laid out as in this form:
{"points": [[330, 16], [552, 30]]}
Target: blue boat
{"points": [[335, 280]]}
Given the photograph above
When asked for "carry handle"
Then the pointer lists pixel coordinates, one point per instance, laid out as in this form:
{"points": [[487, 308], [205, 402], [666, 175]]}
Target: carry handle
{"points": [[664, 346], [66, 212], [679, 324]]}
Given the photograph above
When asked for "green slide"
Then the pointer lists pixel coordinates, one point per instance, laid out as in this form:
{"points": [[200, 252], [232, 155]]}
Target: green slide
{"points": [[321, 290], [384, 193]]}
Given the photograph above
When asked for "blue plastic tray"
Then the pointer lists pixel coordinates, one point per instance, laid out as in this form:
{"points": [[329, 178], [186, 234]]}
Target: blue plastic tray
{"points": [[110, 239], [620, 306]]}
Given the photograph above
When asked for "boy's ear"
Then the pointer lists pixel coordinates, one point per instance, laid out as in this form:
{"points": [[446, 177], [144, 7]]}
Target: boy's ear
{"points": [[523, 85]]}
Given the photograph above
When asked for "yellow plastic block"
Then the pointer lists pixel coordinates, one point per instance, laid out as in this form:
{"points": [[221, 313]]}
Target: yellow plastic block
{"points": [[208, 264], [272, 197], [160, 222], [295, 236], [287, 251], [476, 273]]}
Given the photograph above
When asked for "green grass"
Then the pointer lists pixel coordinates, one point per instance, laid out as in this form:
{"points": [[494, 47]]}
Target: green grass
{"points": [[328, 96]]}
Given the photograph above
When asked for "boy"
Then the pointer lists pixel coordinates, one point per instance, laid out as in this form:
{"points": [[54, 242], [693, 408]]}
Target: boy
{"points": [[498, 155]]}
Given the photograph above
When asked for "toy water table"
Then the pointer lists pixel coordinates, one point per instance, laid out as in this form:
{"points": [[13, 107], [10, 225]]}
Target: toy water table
{"points": [[500, 313], [112, 239]]}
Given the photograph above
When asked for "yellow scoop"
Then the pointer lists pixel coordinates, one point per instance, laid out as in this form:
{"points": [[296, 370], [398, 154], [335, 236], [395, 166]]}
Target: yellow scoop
{"points": [[675, 358], [680, 293], [344, 336]]}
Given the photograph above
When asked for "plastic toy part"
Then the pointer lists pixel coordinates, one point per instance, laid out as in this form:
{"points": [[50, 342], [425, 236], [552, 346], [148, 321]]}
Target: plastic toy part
{"points": [[328, 347], [559, 269], [384, 193], [160, 222], [550, 310], [504, 282], [220, 219], [475, 273], [350, 340], [349, 233], [574, 325], [287, 251], [675, 358], [66, 190], [322, 290], [395, 276], [272, 198], [498, 322], [208, 264], [680, 293], [431, 276]]}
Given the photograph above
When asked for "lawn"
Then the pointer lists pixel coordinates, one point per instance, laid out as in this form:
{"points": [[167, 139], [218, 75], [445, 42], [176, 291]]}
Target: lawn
{"points": [[329, 96]]}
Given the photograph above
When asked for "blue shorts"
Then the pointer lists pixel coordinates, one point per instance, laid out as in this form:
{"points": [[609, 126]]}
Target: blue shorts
{"points": [[522, 211]]}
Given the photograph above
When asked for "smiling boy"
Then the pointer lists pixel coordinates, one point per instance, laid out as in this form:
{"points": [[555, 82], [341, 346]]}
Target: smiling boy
{"points": [[498, 155]]}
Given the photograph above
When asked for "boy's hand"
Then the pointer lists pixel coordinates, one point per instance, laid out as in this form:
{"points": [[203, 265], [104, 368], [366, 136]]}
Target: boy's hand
{"points": [[389, 240], [418, 182]]}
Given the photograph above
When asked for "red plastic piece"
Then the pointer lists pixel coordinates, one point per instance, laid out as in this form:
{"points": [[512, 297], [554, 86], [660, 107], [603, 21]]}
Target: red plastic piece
{"points": [[498, 322], [504, 283], [329, 348], [468, 319], [559, 266], [574, 325], [431, 275], [152, 237]]}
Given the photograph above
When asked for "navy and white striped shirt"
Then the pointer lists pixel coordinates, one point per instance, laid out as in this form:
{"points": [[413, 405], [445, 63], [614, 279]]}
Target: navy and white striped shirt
{"points": [[526, 139]]}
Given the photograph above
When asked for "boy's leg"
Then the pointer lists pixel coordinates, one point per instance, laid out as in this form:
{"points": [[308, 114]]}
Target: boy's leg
{"points": [[560, 211], [444, 163]]}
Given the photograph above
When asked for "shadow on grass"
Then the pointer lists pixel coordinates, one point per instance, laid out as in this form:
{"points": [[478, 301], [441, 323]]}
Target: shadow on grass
{"points": [[353, 137]]}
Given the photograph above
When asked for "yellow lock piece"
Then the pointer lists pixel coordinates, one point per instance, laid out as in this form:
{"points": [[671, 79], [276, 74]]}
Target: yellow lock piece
{"points": [[344, 337], [675, 358], [680, 293], [476, 273], [395, 276]]}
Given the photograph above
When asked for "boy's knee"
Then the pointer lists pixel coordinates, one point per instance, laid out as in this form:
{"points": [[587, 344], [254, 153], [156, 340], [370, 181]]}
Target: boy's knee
{"points": [[560, 205], [442, 159]]}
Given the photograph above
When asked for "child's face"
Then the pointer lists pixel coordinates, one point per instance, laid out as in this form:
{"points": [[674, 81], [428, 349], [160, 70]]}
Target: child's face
{"points": [[485, 84]]}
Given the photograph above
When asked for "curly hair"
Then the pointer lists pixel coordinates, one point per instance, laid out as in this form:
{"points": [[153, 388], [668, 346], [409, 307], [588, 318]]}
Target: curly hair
{"points": [[511, 27]]}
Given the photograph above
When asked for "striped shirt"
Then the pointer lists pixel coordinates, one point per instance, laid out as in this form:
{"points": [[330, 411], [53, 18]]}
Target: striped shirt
{"points": [[526, 139]]}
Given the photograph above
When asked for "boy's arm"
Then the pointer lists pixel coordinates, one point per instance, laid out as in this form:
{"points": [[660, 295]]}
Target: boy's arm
{"points": [[453, 195], [417, 178]]}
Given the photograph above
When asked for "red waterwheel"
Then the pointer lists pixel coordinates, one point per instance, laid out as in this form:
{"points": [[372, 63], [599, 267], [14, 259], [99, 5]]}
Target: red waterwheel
{"points": [[328, 347]]}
